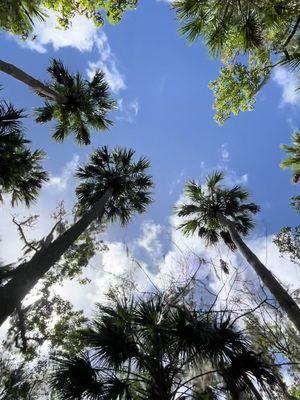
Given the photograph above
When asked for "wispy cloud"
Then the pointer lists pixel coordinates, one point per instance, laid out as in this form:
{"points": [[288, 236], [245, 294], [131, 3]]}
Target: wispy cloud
{"points": [[128, 111], [60, 182], [176, 182], [288, 82], [107, 63], [225, 155]]}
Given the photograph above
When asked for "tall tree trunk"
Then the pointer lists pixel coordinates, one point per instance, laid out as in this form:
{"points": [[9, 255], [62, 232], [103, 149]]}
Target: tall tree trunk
{"points": [[284, 299], [29, 273], [253, 389], [35, 84]]}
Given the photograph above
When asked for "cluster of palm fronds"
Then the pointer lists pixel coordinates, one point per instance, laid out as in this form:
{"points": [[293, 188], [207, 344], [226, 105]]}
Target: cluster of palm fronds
{"points": [[151, 348], [118, 170], [265, 30], [21, 173], [205, 205], [80, 105]]}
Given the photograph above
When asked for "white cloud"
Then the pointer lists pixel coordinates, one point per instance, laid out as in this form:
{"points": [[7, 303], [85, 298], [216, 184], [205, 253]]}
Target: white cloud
{"points": [[177, 181], [50, 196], [106, 63], [112, 74], [134, 106], [225, 155], [150, 239], [82, 35], [128, 111], [61, 181], [288, 82]]}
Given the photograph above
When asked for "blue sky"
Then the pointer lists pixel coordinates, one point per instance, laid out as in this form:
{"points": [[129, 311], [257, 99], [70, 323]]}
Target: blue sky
{"points": [[165, 113]]}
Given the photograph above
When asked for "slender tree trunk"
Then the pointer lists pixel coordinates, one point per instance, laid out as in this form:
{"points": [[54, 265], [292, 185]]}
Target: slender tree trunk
{"points": [[33, 83], [284, 299], [253, 388], [29, 273]]}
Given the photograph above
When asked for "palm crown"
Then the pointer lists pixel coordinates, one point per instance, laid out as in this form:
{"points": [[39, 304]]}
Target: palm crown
{"points": [[236, 26], [293, 159], [207, 203], [80, 105], [21, 173], [147, 349], [115, 169]]}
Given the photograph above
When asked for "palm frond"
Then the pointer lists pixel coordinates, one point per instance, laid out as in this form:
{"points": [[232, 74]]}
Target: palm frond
{"points": [[80, 105], [118, 170], [21, 172], [201, 212], [75, 378]]}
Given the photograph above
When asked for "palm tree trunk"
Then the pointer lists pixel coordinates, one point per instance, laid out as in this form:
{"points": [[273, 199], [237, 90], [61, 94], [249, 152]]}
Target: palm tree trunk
{"points": [[29, 273], [284, 299], [253, 389], [35, 84]]}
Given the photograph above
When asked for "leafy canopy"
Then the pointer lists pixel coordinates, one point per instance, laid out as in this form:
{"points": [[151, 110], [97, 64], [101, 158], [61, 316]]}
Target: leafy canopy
{"points": [[293, 157], [118, 170], [206, 203], [148, 348], [21, 173], [81, 105], [250, 38], [45, 319], [18, 16]]}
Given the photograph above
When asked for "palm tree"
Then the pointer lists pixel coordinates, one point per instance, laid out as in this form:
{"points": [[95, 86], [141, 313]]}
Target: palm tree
{"points": [[77, 104], [15, 381], [147, 348], [217, 213], [114, 186], [220, 22], [293, 159], [265, 32], [21, 173]]}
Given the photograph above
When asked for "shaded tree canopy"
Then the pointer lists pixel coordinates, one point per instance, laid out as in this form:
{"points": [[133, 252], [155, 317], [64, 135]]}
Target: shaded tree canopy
{"points": [[250, 37], [21, 172], [156, 348]]}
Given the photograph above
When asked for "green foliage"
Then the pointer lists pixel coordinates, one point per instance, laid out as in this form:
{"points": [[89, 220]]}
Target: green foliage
{"points": [[296, 392], [148, 348], [15, 382], [295, 203], [293, 157], [113, 9], [18, 16], [205, 205], [50, 319], [288, 243], [81, 105], [276, 337], [118, 170], [235, 90], [250, 38], [21, 173]]}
